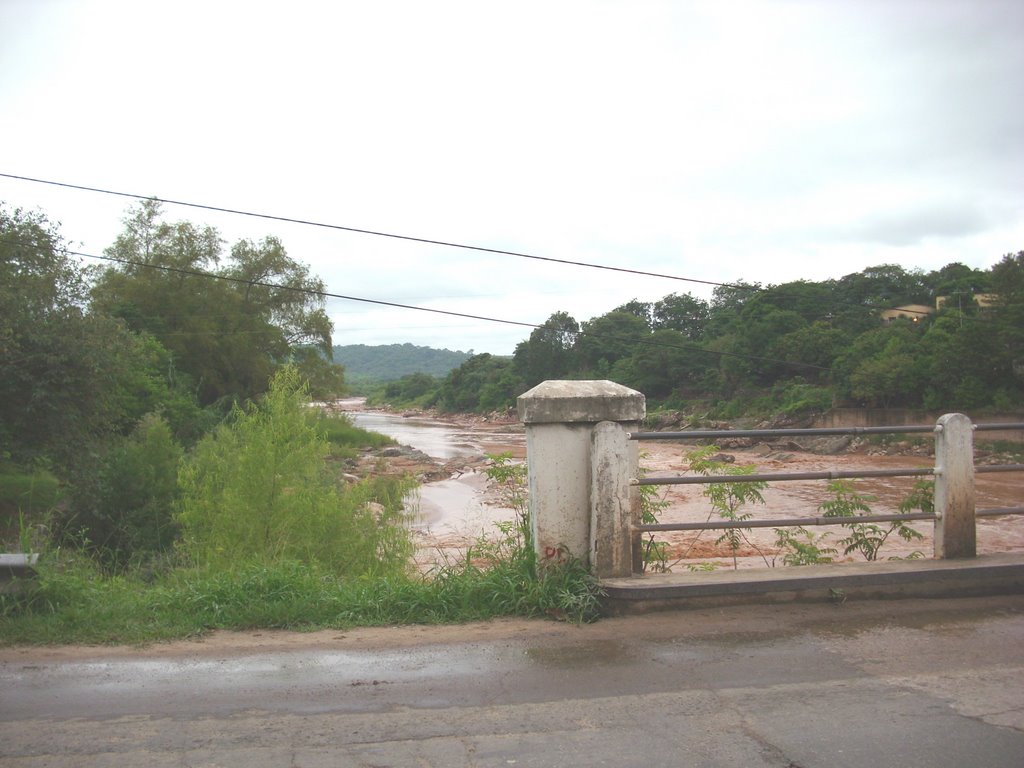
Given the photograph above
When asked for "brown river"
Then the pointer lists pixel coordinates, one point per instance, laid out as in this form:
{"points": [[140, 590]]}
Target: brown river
{"points": [[450, 514]]}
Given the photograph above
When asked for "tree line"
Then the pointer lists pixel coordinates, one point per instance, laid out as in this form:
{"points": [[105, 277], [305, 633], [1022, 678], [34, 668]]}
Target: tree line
{"points": [[795, 346]]}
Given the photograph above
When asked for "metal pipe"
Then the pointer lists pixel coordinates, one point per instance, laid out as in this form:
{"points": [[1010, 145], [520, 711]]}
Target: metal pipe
{"points": [[999, 512], [986, 469], [834, 475], [702, 434], [785, 523], [817, 431]]}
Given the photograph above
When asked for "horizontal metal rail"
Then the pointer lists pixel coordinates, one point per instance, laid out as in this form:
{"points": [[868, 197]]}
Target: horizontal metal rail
{"points": [[784, 523], [999, 511], [827, 475], [703, 434], [852, 474], [773, 476], [985, 469]]}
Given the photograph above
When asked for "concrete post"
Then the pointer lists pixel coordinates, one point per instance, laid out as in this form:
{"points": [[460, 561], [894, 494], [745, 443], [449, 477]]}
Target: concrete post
{"points": [[955, 534], [561, 418], [614, 502]]}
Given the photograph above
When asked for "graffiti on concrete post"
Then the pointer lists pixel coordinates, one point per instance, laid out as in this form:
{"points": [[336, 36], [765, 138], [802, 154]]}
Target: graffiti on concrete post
{"points": [[555, 554]]}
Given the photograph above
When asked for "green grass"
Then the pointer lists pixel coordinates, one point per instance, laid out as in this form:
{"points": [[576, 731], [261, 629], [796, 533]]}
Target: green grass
{"points": [[346, 438], [74, 602], [25, 495], [1010, 451]]}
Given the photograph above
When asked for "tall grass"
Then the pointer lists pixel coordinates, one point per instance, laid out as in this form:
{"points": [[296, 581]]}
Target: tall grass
{"points": [[75, 602], [26, 497], [346, 438]]}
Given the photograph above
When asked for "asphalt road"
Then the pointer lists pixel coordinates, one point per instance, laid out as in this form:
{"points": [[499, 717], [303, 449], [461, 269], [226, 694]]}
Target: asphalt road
{"points": [[903, 683]]}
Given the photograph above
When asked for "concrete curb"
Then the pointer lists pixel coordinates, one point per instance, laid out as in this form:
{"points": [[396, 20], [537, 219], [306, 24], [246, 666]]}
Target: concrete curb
{"points": [[891, 579]]}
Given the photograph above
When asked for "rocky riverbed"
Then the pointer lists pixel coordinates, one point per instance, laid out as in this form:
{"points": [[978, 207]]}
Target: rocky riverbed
{"points": [[457, 504]]}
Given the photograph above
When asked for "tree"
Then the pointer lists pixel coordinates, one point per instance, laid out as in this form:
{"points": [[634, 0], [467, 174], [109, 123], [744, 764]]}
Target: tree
{"points": [[609, 338], [326, 379], [883, 286], [72, 377], [1008, 321], [482, 383], [884, 367], [294, 305], [642, 309], [811, 301], [548, 353], [231, 331], [817, 344], [763, 327], [682, 313], [660, 367], [958, 280]]}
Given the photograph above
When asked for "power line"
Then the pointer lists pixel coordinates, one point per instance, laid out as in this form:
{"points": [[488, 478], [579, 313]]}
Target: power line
{"points": [[375, 233], [450, 313], [410, 238]]}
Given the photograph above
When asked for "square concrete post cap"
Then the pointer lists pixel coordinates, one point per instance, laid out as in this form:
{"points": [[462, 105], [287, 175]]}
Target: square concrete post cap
{"points": [[580, 401]]}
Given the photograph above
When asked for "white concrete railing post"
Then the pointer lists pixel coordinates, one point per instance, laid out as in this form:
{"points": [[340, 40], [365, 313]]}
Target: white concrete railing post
{"points": [[955, 534], [580, 465]]}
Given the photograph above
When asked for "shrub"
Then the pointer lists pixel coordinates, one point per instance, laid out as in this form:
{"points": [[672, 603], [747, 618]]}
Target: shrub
{"points": [[122, 508], [257, 490], [868, 538]]}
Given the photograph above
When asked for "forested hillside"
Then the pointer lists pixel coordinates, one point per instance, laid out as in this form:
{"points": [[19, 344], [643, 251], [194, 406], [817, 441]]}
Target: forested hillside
{"points": [[388, 362], [797, 346]]}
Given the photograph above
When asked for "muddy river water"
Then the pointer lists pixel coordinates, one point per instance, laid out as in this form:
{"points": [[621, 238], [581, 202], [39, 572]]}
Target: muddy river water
{"points": [[450, 514]]}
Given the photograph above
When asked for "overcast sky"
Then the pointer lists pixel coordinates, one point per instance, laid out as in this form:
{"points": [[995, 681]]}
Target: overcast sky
{"points": [[719, 141]]}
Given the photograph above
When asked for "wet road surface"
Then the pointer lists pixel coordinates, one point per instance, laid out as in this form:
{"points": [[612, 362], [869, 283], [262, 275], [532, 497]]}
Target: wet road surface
{"points": [[907, 683]]}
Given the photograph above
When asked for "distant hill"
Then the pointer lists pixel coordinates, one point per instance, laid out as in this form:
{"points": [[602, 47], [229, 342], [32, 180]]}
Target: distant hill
{"points": [[389, 362]]}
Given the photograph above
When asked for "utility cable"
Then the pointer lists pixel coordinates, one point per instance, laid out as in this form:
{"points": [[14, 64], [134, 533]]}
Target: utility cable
{"points": [[410, 238], [375, 233], [449, 313]]}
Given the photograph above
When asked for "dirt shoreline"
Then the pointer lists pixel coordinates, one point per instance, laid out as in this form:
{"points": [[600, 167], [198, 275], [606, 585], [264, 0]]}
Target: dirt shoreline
{"points": [[498, 433]]}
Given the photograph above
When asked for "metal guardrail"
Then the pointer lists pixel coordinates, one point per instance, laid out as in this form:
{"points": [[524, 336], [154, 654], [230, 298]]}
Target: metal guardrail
{"points": [[830, 475], [784, 523], [703, 434], [999, 512], [771, 476]]}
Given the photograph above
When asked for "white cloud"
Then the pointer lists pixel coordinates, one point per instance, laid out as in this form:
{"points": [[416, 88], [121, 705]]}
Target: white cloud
{"points": [[764, 141]]}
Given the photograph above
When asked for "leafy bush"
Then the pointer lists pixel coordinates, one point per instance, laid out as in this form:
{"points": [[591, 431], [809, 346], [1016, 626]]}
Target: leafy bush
{"points": [[728, 499], [27, 496], [796, 397], [122, 507], [801, 547], [868, 538], [257, 490], [76, 602], [345, 437]]}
